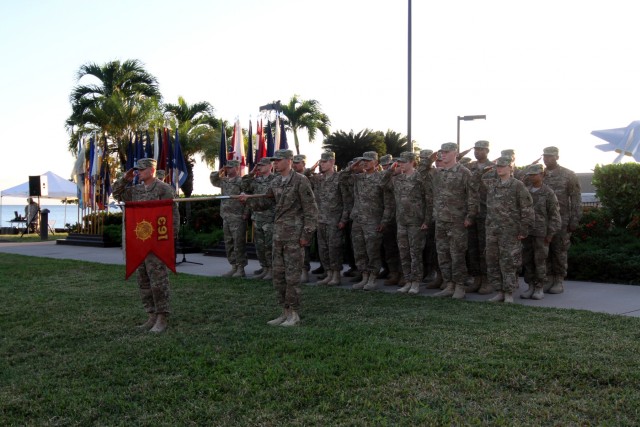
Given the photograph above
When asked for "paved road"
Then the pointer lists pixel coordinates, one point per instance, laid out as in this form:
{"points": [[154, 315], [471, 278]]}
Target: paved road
{"points": [[597, 297]]}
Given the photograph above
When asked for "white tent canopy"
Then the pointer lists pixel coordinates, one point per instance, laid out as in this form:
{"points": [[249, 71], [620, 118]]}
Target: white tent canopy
{"points": [[59, 188]]}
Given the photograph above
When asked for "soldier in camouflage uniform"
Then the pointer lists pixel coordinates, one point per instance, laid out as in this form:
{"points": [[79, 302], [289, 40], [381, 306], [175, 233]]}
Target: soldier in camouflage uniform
{"points": [[370, 216], [455, 209], [390, 255], [509, 218], [295, 219], [433, 277], [153, 276], [328, 188], [234, 217], [547, 223], [414, 206], [567, 188], [477, 234], [347, 200], [257, 182], [299, 165]]}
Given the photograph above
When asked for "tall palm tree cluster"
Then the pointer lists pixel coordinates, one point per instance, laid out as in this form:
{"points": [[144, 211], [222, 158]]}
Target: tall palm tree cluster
{"points": [[117, 99]]}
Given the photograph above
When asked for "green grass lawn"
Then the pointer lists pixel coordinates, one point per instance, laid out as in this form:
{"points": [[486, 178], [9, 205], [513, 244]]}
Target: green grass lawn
{"points": [[70, 354], [32, 237]]}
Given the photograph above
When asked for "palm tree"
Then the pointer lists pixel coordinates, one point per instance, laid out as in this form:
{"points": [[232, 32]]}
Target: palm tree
{"points": [[195, 124], [124, 99], [305, 114], [395, 143], [347, 146]]}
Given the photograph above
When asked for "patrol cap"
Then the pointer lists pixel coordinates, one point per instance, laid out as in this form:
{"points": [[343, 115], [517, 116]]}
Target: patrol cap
{"points": [[535, 169], [299, 158], [369, 155], [232, 163], [282, 154], [145, 163], [449, 146], [482, 144], [551, 151], [465, 160], [264, 161], [508, 153], [327, 155], [161, 174], [357, 159], [386, 159], [425, 154], [406, 157], [503, 161]]}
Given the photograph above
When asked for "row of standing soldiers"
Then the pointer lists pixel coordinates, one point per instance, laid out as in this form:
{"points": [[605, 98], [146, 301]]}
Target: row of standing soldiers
{"points": [[470, 225]]}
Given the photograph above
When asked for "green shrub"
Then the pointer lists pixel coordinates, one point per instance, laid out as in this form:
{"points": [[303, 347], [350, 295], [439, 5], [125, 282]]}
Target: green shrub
{"points": [[611, 257], [618, 188], [112, 234], [595, 222]]}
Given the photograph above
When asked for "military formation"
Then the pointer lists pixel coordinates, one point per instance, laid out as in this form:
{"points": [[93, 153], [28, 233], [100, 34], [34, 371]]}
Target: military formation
{"points": [[432, 219]]}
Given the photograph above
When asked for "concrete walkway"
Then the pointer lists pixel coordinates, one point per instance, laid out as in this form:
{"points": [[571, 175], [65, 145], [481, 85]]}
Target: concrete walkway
{"points": [[597, 297]]}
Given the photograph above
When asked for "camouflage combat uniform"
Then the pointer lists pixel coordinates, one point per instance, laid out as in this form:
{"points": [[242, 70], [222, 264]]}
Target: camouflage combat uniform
{"points": [[234, 219], [295, 219], [153, 275], [454, 201], [368, 213], [509, 215], [547, 223], [477, 231], [262, 220], [565, 184], [413, 208], [328, 190]]}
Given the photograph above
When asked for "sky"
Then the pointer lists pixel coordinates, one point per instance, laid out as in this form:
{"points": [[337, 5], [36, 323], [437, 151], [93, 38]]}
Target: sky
{"points": [[544, 73]]}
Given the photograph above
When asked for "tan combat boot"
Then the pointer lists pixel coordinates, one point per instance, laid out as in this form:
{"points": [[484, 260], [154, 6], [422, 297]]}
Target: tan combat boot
{"points": [[474, 285], [459, 292], [508, 297], [361, 283], [278, 320], [415, 288], [527, 294], [261, 274], [371, 283], [239, 272], [150, 322], [292, 320], [335, 279], [436, 282], [326, 280], [548, 283], [486, 288], [393, 279], [268, 275], [558, 286], [447, 291], [161, 324], [231, 272], [498, 298], [405, 288], [538, 294]]}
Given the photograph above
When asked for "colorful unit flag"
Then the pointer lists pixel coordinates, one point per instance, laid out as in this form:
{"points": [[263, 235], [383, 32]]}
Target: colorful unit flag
{"points": [[149, 228]]}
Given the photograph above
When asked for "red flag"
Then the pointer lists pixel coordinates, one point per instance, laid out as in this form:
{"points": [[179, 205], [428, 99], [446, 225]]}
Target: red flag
{"points": [[149, 228], [262, 147]]}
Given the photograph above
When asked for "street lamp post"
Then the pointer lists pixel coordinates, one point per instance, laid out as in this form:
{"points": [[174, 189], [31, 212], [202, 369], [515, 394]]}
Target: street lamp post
{"points": [[466, 119]]}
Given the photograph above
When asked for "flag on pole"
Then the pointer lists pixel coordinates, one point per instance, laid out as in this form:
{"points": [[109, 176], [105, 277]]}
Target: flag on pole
{"points": [[238, 146], [179, 165], [283, 137], [277, 144], [148, 150], [250, 162], [222, 155], [156, 146], [262, 148], [270, 144], [149, 228]]}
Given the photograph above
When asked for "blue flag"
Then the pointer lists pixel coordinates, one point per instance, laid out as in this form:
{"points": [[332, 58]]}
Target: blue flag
{"points": [[222, 156], [179, 165], [283, 137], [270, 143], [250, 162]]}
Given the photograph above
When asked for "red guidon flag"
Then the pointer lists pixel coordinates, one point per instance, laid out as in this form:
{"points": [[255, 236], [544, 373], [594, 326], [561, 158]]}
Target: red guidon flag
{"points": [[149, 228]]}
